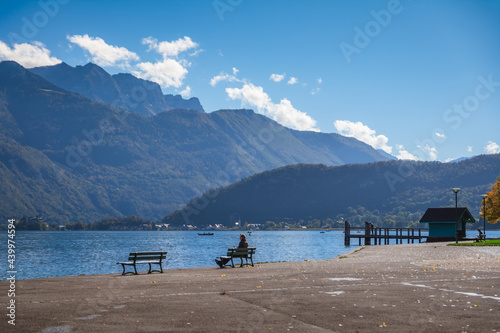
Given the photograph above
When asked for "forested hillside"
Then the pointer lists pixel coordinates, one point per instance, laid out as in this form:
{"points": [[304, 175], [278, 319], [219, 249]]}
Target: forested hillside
{"points": [[394, 193]]}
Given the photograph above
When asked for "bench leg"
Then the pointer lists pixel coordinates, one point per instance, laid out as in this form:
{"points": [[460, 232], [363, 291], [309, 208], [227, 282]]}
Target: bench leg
{"points": [[151, 270], [125, 273], [161, 268]]}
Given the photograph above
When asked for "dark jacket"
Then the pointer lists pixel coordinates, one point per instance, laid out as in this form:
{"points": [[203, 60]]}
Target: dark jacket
{"points": [[243, 243]]}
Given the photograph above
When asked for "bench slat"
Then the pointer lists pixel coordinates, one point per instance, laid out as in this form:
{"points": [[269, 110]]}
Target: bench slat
{"points": [[147, 258], [240, 252]]}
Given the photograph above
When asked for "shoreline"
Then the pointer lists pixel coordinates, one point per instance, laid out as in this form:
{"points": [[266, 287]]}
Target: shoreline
{"points": [[409, 287], [98, 252], [165, 268]]}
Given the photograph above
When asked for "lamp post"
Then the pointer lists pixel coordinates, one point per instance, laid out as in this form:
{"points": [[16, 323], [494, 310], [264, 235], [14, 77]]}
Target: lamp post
{"points": [[456, 190], [484, 196]]}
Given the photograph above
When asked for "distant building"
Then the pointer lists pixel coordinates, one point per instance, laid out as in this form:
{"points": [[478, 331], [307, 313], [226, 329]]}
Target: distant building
{"points": [[445, 223]]}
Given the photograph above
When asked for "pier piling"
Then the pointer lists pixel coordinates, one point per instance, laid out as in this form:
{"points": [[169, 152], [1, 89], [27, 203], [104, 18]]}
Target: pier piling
{"points": [[381, 235]]}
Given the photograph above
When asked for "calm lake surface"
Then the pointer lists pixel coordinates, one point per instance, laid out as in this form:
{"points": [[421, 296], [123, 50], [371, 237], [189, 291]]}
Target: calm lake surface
{"points": [[63, 253]]}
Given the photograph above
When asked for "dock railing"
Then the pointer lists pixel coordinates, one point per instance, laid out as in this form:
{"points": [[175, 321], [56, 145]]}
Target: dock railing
{"points": [[382, 235]]}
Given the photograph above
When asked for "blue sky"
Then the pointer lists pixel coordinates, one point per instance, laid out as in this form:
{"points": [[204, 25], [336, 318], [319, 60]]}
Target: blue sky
{"points": [[418, 79]]}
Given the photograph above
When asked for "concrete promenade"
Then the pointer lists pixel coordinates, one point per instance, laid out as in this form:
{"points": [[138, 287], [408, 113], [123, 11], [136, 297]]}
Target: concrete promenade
{"points": [[390, 288]]}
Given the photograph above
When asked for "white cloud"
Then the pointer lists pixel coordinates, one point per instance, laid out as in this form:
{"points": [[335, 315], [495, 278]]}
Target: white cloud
{"points": [[28, 55], [102, 53], [277, 77], [168, 72], [284, 112], [363, 133], [225, 77], [293, 80], [430, 151], [469, 149], [492, 148], [186, 93], [250, 94], [315, 91], [440, 135], [403, 154], [196, 52], [170, 49]]}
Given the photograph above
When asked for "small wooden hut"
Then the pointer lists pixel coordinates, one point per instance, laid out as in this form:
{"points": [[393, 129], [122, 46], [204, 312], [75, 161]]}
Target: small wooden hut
{"points": [[445, 223]]}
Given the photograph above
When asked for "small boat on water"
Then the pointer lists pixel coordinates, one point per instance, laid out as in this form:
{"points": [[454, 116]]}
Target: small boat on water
{"points": [[205, 234], [321, 232]]}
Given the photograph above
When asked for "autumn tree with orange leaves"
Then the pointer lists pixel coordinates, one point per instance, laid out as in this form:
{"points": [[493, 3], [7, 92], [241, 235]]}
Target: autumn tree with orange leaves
{"points": [[492, 204]]}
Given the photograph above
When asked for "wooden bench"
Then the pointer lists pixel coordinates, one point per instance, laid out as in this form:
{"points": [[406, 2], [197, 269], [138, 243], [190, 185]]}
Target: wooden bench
{"points": [[242, 253], [150, 258]]}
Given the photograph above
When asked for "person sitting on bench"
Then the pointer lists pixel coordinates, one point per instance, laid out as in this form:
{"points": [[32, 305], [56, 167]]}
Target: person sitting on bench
{"points": [[480, 235], [221, 261]]}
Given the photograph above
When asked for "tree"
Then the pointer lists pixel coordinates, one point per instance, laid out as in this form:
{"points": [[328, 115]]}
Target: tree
{"points": [[75, 226], [269, 225], [492, 204]]}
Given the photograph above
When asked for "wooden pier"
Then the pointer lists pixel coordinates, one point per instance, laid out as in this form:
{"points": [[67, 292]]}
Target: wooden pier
{"points": [[381, 235]]}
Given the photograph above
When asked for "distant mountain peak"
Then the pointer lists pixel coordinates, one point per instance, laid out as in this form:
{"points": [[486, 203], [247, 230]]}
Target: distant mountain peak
{"points": [[460, 159], [12, 73], [120, 90], [61, 65], [90, 67]]}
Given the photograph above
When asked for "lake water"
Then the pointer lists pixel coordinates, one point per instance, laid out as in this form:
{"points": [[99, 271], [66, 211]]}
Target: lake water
{"points": [[64, 253]]}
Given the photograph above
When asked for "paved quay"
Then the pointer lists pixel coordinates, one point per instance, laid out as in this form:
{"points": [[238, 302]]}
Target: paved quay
{"points": [[390, 288]]}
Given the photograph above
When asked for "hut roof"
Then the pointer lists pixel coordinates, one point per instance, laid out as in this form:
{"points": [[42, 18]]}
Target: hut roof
{"points": [[448, 214]]}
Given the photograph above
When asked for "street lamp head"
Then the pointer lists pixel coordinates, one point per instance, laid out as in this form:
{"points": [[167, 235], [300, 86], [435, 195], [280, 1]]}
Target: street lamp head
{"points": [[484, 196], [456, 189]]}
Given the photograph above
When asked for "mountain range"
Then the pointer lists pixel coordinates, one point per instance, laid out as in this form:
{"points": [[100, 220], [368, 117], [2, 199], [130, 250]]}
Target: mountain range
{"points": [[70, 154], [122, 90], [391, 194]]}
